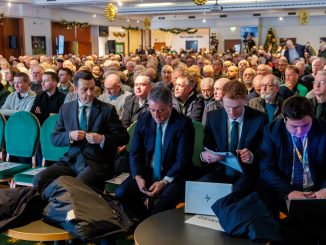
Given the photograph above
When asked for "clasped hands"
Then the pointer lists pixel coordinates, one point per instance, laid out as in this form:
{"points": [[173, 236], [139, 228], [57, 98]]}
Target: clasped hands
{"points": [[321, 194], [92, 138], [155, 188], [245, 156]]}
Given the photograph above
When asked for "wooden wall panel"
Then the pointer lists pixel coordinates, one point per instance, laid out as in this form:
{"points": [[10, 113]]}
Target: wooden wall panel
{"points": [[82, 35], [10, 27]]}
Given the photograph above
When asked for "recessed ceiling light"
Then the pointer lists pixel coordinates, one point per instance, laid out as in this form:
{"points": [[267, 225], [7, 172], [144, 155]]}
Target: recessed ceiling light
{"points": [[94, 15], [204, 20], [137, 21], [9, 4], [128, 20], [281, 18]]}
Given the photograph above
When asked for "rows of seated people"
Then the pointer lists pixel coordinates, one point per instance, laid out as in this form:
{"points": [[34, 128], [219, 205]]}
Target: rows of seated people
{"points": [[268, 109]]}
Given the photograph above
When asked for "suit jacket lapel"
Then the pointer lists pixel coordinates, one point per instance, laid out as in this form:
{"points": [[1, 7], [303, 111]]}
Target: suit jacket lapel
{"points": [[245, 128], [151, 133], [168, 135], [75, 120], [288, 150], [222, 141], [93, 115]]}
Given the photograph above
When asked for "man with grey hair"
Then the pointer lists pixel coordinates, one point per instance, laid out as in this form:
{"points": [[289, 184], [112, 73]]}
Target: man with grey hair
{"points": [[20, 100], [269, 101], [247, 78], [158, 173], [136, 103], [207, 89], [113, 94], [319, 101], [317, 65], [37, 73], [256, 85], [185, 100], [166, 75]]}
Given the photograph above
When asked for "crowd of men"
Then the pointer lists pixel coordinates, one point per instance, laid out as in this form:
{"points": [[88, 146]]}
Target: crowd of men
{"points": [[268, 109]]}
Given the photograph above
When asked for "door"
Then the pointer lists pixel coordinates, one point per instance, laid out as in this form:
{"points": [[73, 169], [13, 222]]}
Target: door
{"points": [[159, 46], [232, 44]]}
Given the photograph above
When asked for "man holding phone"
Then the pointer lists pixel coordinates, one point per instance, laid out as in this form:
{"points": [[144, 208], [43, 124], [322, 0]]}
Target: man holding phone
{"points": [[234, 128]]}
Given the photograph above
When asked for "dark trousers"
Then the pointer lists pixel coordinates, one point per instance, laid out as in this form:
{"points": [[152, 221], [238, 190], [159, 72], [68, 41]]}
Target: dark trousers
{"points": [[92, 178], [132, 199]]}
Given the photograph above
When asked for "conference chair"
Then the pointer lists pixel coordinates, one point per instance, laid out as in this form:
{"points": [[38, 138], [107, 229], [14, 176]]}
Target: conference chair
{"points": [[2, 133], [198, 147], [21, 137], [49, 152]]}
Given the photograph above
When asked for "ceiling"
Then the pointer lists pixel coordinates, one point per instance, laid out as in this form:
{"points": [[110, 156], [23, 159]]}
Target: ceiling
{"points": [[141, 8]]}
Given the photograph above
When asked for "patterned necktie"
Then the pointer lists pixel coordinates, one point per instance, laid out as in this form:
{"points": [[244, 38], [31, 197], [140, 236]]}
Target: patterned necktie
{"points": [[234, 139], [158, 154], [83, 119], [297, 164]]}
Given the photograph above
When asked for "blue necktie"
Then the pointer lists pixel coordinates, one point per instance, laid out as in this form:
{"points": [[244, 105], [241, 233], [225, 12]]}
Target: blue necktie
{"points": [[158, 154], [234, 140], [83, 119], [297, 180]]}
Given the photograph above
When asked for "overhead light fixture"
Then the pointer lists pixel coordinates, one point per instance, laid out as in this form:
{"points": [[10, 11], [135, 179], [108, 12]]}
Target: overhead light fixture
{"points": [[128, 20], [281, 18], [9, 4], [233, 28], [94, 15], [120, 3], [204, 20], [137, 21], [110, 11]]}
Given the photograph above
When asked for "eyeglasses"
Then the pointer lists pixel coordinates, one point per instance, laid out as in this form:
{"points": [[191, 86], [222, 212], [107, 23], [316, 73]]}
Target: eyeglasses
{"points": [[318, 83], [268, 85]]}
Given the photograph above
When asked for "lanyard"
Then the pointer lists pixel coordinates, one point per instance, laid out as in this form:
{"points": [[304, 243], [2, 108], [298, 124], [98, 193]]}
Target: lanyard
{"points": [[300, 157]]}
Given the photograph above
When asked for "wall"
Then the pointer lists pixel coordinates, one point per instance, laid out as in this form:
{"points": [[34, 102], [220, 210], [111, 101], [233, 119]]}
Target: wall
{"points": [[179, 41], [11, 27], [135, 38], [37, 27], [82, 35]]}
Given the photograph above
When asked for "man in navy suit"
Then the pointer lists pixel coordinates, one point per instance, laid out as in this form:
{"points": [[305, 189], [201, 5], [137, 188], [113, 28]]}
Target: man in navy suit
{"points": [[93, 132], [236, 128], [160, 157], [293, 166]]}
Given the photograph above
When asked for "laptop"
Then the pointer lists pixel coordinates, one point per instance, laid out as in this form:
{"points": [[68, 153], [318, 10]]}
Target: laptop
{"points": [[200, 196], [307, 206]]}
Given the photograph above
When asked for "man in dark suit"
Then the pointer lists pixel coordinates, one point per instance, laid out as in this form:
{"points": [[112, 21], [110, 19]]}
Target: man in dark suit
{"points": [[293, 166], [160, 157], [319, 100], [92, 130], [236, 128]]}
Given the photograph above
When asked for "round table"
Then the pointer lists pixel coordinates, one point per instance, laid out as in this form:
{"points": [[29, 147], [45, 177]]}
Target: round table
{"points": [[169, 227]]}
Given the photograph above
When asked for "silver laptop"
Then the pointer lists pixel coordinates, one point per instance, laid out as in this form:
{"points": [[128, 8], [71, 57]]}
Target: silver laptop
{"points": [[200, 196]]}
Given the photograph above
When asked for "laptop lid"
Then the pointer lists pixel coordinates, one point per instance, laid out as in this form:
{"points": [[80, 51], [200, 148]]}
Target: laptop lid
{"points": [[307, 206], [200, 196]]}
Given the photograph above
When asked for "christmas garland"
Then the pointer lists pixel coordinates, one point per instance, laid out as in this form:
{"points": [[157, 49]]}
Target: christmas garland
{"points": [[72, 24], [179, 30], [129, 28], [119, 34]]}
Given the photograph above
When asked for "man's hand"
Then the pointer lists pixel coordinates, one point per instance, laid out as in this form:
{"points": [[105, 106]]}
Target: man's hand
{"points": [[300, 195], [77, 135], [38, 110], [94, 138], [210, 157], [245, 155], [156, 188], [321, 194], [141, 184]]}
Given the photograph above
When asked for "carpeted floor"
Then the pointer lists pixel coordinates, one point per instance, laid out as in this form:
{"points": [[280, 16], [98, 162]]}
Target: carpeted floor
{"points": [[4, 240]]}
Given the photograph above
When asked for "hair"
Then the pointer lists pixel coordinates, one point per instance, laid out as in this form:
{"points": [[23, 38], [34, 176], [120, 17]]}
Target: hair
{"points": [[160, 94], [24, 75], [292, 68], [297, 107], [82, 74], [67, 70], [235, 90], [53, 75]]}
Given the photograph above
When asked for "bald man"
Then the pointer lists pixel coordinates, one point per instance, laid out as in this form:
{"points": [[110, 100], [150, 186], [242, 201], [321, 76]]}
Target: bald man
{"points": [[113, 94], [256, 85]]}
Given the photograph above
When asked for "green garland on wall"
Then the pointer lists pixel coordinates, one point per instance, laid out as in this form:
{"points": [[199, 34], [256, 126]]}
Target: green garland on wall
{"points": [[179, 30], [72, 24], [129, 28]]}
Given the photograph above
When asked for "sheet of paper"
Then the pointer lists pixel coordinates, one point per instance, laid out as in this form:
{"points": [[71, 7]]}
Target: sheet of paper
{"points": [[230, 159], [119, 179], [206, 221], [8, 165]]}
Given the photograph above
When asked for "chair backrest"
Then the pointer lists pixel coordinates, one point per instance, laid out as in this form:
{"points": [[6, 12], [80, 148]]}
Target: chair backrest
{"points": [[198, 147], [2, 130], [21, 134], [49, 151], [131, 131]]}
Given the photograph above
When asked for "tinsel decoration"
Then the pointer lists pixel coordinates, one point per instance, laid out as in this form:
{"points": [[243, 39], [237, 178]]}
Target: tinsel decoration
{"points": [[179, 30], [70, 25], [129, 28], [110, 11], [199, 2]]}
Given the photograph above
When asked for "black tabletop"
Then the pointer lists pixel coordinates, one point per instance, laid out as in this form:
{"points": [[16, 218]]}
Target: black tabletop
{"points": [[169, 228]]}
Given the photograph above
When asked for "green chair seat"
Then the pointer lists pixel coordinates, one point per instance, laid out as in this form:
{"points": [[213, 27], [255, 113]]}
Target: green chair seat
{"points": [[131, 131], [9, 169], [198, 147], [26, 178]]}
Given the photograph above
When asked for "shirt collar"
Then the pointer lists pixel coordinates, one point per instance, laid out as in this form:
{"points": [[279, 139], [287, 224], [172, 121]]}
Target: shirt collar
{"points": [[80, 104], [239, 119]]}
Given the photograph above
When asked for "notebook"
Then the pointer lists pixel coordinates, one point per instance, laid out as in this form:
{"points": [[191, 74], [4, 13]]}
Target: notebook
{"points": [[200, 196]]}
